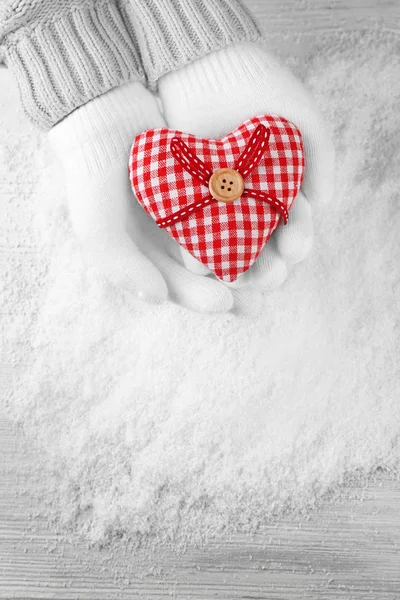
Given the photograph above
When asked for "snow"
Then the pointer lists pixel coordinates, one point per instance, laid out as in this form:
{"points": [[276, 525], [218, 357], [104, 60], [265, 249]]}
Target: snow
{"points": [[161, 425]]}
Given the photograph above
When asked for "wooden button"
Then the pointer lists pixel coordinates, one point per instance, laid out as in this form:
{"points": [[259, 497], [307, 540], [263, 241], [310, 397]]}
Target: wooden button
{"points": [[226, 185]]}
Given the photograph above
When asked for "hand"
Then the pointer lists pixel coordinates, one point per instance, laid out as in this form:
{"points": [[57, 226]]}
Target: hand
{"points": [[93, 145], [213, 95]]}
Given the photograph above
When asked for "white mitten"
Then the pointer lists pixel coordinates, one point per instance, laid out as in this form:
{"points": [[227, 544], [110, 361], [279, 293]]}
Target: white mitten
{"points": [[93, 145], [212, 96]]}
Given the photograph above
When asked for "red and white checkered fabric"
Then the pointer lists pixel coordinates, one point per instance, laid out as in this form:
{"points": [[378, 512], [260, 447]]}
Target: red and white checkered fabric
{"points": [[227, 237]]}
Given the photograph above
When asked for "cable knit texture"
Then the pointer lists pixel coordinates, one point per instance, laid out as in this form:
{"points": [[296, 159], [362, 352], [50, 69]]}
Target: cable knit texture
{"points": [[173, 33], [66, 52]]}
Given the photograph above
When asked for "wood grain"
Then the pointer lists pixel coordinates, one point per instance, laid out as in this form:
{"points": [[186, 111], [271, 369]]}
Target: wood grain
{"points": [[347, 550], [294, 16]]}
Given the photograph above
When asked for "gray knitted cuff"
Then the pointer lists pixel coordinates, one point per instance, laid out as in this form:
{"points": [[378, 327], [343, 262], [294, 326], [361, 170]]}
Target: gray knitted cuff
{"points": [[64, 59], [172, 33]]}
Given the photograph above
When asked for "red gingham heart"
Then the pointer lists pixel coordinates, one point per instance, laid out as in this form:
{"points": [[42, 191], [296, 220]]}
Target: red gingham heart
{"points": [[227, 237]]}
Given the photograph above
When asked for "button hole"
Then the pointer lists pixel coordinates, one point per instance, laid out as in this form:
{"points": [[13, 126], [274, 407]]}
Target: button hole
{"points": [[222, 187]]}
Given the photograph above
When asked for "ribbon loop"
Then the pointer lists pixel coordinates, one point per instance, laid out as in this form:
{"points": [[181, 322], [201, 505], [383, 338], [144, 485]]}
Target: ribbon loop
{"points": [[254, 151], [189, 161]]}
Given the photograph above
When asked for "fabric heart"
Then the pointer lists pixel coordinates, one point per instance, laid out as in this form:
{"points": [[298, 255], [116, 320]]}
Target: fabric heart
{"points": [[220, 199]]}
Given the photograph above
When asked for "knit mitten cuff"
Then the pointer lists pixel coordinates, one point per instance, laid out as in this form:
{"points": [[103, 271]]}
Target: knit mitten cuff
{"points": [[172, 33], [64, 54]]}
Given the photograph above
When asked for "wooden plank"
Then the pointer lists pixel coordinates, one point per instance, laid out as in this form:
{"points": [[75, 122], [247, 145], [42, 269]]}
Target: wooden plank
{"points": [[348, 549], [300, 16]]}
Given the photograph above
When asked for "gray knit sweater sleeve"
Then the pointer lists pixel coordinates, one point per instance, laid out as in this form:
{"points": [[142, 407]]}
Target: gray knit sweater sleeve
{"points": [[172, 33], [66, 52]]}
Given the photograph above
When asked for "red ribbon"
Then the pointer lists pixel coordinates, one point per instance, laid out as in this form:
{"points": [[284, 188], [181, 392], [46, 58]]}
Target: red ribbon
{"points": [[253, 153], [189, 161], [247, 162]]}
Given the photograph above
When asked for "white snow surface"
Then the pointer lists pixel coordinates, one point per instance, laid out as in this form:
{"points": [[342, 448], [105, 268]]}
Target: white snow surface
{"points": [[160, 425]]}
